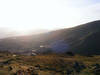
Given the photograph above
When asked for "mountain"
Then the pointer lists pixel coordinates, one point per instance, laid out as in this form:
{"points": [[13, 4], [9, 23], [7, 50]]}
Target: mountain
{"points": [[82, 39], [6, 32]]}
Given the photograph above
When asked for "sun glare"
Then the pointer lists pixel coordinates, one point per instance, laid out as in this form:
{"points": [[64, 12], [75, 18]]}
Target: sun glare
{"points": [[26, 15]]}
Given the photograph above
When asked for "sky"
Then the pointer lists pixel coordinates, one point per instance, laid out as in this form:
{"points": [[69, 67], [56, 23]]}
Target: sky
{"points": [[24, 15]]}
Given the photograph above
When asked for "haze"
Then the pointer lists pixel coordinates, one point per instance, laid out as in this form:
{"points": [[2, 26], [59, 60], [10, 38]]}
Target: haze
{"points": [[25, 15]]}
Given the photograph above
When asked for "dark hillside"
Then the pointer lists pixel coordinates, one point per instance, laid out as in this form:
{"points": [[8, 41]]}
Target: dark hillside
{"points": [[83, 39]]}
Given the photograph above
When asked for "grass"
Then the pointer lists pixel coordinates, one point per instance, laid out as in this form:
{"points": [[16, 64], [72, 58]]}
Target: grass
{"points": [[51, 64]]}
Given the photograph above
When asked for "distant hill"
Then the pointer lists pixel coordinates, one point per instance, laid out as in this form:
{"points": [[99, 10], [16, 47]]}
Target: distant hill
{"points": [[82, 39], [6, 32]]}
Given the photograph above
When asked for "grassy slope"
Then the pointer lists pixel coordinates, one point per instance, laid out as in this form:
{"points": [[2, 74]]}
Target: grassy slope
{"points": [[45, 64]]}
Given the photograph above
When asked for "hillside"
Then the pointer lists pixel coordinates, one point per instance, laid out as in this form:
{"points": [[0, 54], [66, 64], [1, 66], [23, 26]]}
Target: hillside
{"points": [[83, 39], [51, 64]]}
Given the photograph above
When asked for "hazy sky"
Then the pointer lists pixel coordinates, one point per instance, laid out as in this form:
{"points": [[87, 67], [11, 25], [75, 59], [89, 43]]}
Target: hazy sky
{"points": [[47, 14]]}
